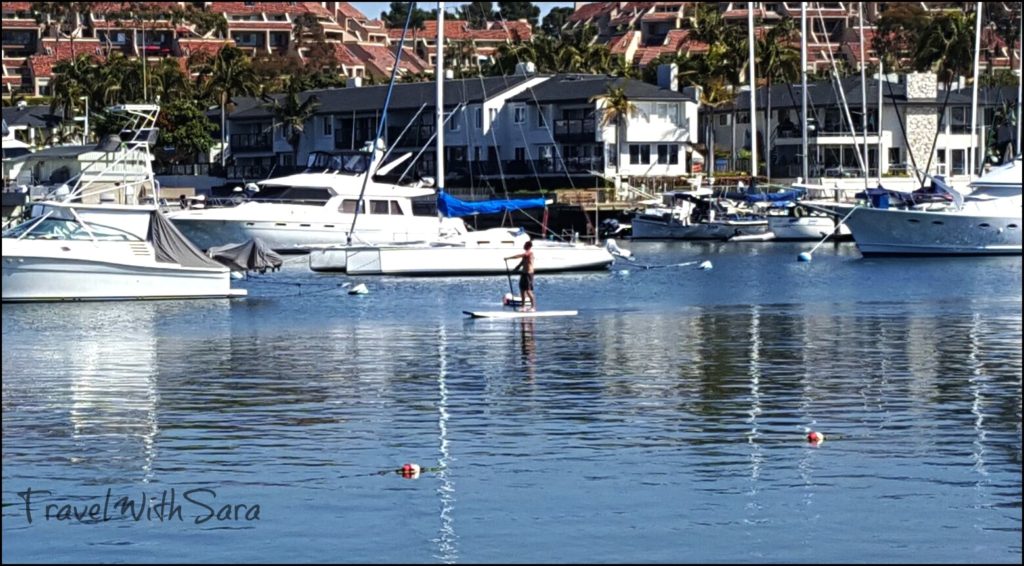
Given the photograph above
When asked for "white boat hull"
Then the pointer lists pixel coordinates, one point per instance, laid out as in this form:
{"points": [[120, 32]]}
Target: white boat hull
{"points": [[648, 228], [40, 270], [439, 259], [912, 232], [805, 228]]}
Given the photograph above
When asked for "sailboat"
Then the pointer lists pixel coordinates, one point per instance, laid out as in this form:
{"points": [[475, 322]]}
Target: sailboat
{"points": [[941, 221], [459, 252]]}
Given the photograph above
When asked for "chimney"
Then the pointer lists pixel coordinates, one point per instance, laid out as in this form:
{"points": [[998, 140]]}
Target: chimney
{"points": [[526, 68], [354, 82], [668, 76]]}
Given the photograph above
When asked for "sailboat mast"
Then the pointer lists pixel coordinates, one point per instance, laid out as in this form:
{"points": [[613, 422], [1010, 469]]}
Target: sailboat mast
{"points": [[439, 110], [753, 92], [803, 85], [863, 95], [973, 160], [880, 74]]}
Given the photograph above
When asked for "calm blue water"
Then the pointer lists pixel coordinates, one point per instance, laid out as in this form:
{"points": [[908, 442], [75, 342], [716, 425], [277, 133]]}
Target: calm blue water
{"points": [[666, 422]]}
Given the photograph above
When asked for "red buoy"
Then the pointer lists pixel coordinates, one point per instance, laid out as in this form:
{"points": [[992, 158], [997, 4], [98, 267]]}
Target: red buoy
{"points": [[815, 437], [410, 471]]}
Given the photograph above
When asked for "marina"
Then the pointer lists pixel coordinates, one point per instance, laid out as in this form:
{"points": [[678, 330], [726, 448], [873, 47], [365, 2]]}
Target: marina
{"points": [[665, 422], [259, 299]]}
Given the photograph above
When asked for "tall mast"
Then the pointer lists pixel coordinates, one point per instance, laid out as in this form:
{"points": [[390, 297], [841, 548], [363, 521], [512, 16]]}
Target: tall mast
{"points": [[972, 160], [803, 85], [439, 110], [863, 95], [753, 92]]}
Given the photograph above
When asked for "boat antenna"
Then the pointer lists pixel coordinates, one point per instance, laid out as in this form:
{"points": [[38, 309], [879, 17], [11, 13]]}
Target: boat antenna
{"points": [[383, 121]]}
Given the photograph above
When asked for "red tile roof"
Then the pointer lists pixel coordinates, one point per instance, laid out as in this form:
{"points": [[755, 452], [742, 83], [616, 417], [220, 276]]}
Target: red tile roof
{"points": [[457, 30], [618, 45], [344, 56], [21, 24], [349, 11], [260, 26], [592, 10], [296, 8]]}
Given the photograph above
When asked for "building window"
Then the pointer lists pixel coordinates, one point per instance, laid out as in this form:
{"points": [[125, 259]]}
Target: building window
{"points": [[479, 114], [743, 118], [520, 154], [668, 154], [540, 117], [723, 119], [328, 127], [639, 154], [894, 156], [519, 115], [453, 121]]}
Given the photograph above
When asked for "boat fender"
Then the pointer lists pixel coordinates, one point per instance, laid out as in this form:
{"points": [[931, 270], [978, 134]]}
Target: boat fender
{"points": [[798, 211]]}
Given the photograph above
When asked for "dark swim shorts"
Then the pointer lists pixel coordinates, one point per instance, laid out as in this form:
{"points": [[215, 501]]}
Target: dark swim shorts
{"points": [[526, 282]]}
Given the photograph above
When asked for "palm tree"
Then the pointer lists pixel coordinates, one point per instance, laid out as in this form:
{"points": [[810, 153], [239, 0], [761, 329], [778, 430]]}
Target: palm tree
{"points": [[778, 61], [229, 74], [74, 79], [616, 110], [947, 48], [293, 113]]}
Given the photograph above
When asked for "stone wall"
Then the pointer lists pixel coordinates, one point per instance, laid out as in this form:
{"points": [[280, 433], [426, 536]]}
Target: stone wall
{"points": [[922, 121]]}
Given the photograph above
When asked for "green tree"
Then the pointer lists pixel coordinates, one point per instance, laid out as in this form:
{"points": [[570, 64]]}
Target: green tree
{"points": [[477, 14], [555, 20], [73, 79], [291, 113], [777, 62], [511, 11], [899, 29], [617, 108], [185, 131], [947, 46], [396, 16], [229, 74]]}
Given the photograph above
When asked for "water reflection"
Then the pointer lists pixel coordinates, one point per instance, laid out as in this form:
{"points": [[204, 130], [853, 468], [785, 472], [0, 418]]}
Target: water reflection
{"points": [[609, 414]]}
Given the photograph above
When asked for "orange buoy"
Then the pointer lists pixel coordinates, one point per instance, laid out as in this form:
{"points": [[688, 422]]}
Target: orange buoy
{"points": [[410, 471]]}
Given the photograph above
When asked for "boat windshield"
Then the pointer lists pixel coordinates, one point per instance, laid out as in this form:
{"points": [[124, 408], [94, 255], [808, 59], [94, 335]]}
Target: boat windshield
{"points": [[62, 229], [353, 162]]}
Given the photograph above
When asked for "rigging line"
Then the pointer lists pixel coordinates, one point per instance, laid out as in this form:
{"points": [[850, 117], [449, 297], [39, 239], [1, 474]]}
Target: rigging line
{"points": [[429, 141], [547, 125], [392, 147], [842, 95], [383, 120]]}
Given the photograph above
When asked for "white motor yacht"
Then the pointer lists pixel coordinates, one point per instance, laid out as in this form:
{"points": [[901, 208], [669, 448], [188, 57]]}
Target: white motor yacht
{"points": [[987, 221], [71, 250], [317, 207]]}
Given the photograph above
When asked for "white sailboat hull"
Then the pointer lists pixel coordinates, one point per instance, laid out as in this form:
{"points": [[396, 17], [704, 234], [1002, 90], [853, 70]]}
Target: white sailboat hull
{"points": [[646, 228], [805, 228], [457, 260], [42, 270]]}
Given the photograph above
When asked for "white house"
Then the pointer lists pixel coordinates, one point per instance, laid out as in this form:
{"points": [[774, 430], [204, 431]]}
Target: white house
{"points": [[511, 128]]}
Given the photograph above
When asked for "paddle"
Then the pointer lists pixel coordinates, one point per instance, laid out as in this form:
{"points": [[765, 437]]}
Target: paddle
{"points": [[509, 273]]}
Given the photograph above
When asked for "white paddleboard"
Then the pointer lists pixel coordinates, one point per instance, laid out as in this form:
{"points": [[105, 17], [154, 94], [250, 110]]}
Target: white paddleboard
{"points": [[516, 314]]}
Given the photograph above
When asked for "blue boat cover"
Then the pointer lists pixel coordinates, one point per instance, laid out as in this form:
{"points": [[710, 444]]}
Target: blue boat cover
{"points": [[450, 206], [781, 196]]}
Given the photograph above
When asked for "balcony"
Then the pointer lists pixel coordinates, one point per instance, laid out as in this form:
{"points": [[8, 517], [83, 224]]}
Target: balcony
{"points": [[574, 131], [251, 142]]}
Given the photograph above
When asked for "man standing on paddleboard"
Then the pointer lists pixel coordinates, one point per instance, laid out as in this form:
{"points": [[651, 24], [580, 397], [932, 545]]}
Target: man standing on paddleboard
{"points": [[526, 276]]}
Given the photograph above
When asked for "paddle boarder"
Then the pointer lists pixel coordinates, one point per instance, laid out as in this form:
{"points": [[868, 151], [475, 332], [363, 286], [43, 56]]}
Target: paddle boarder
{"points": [[526, 275]]}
